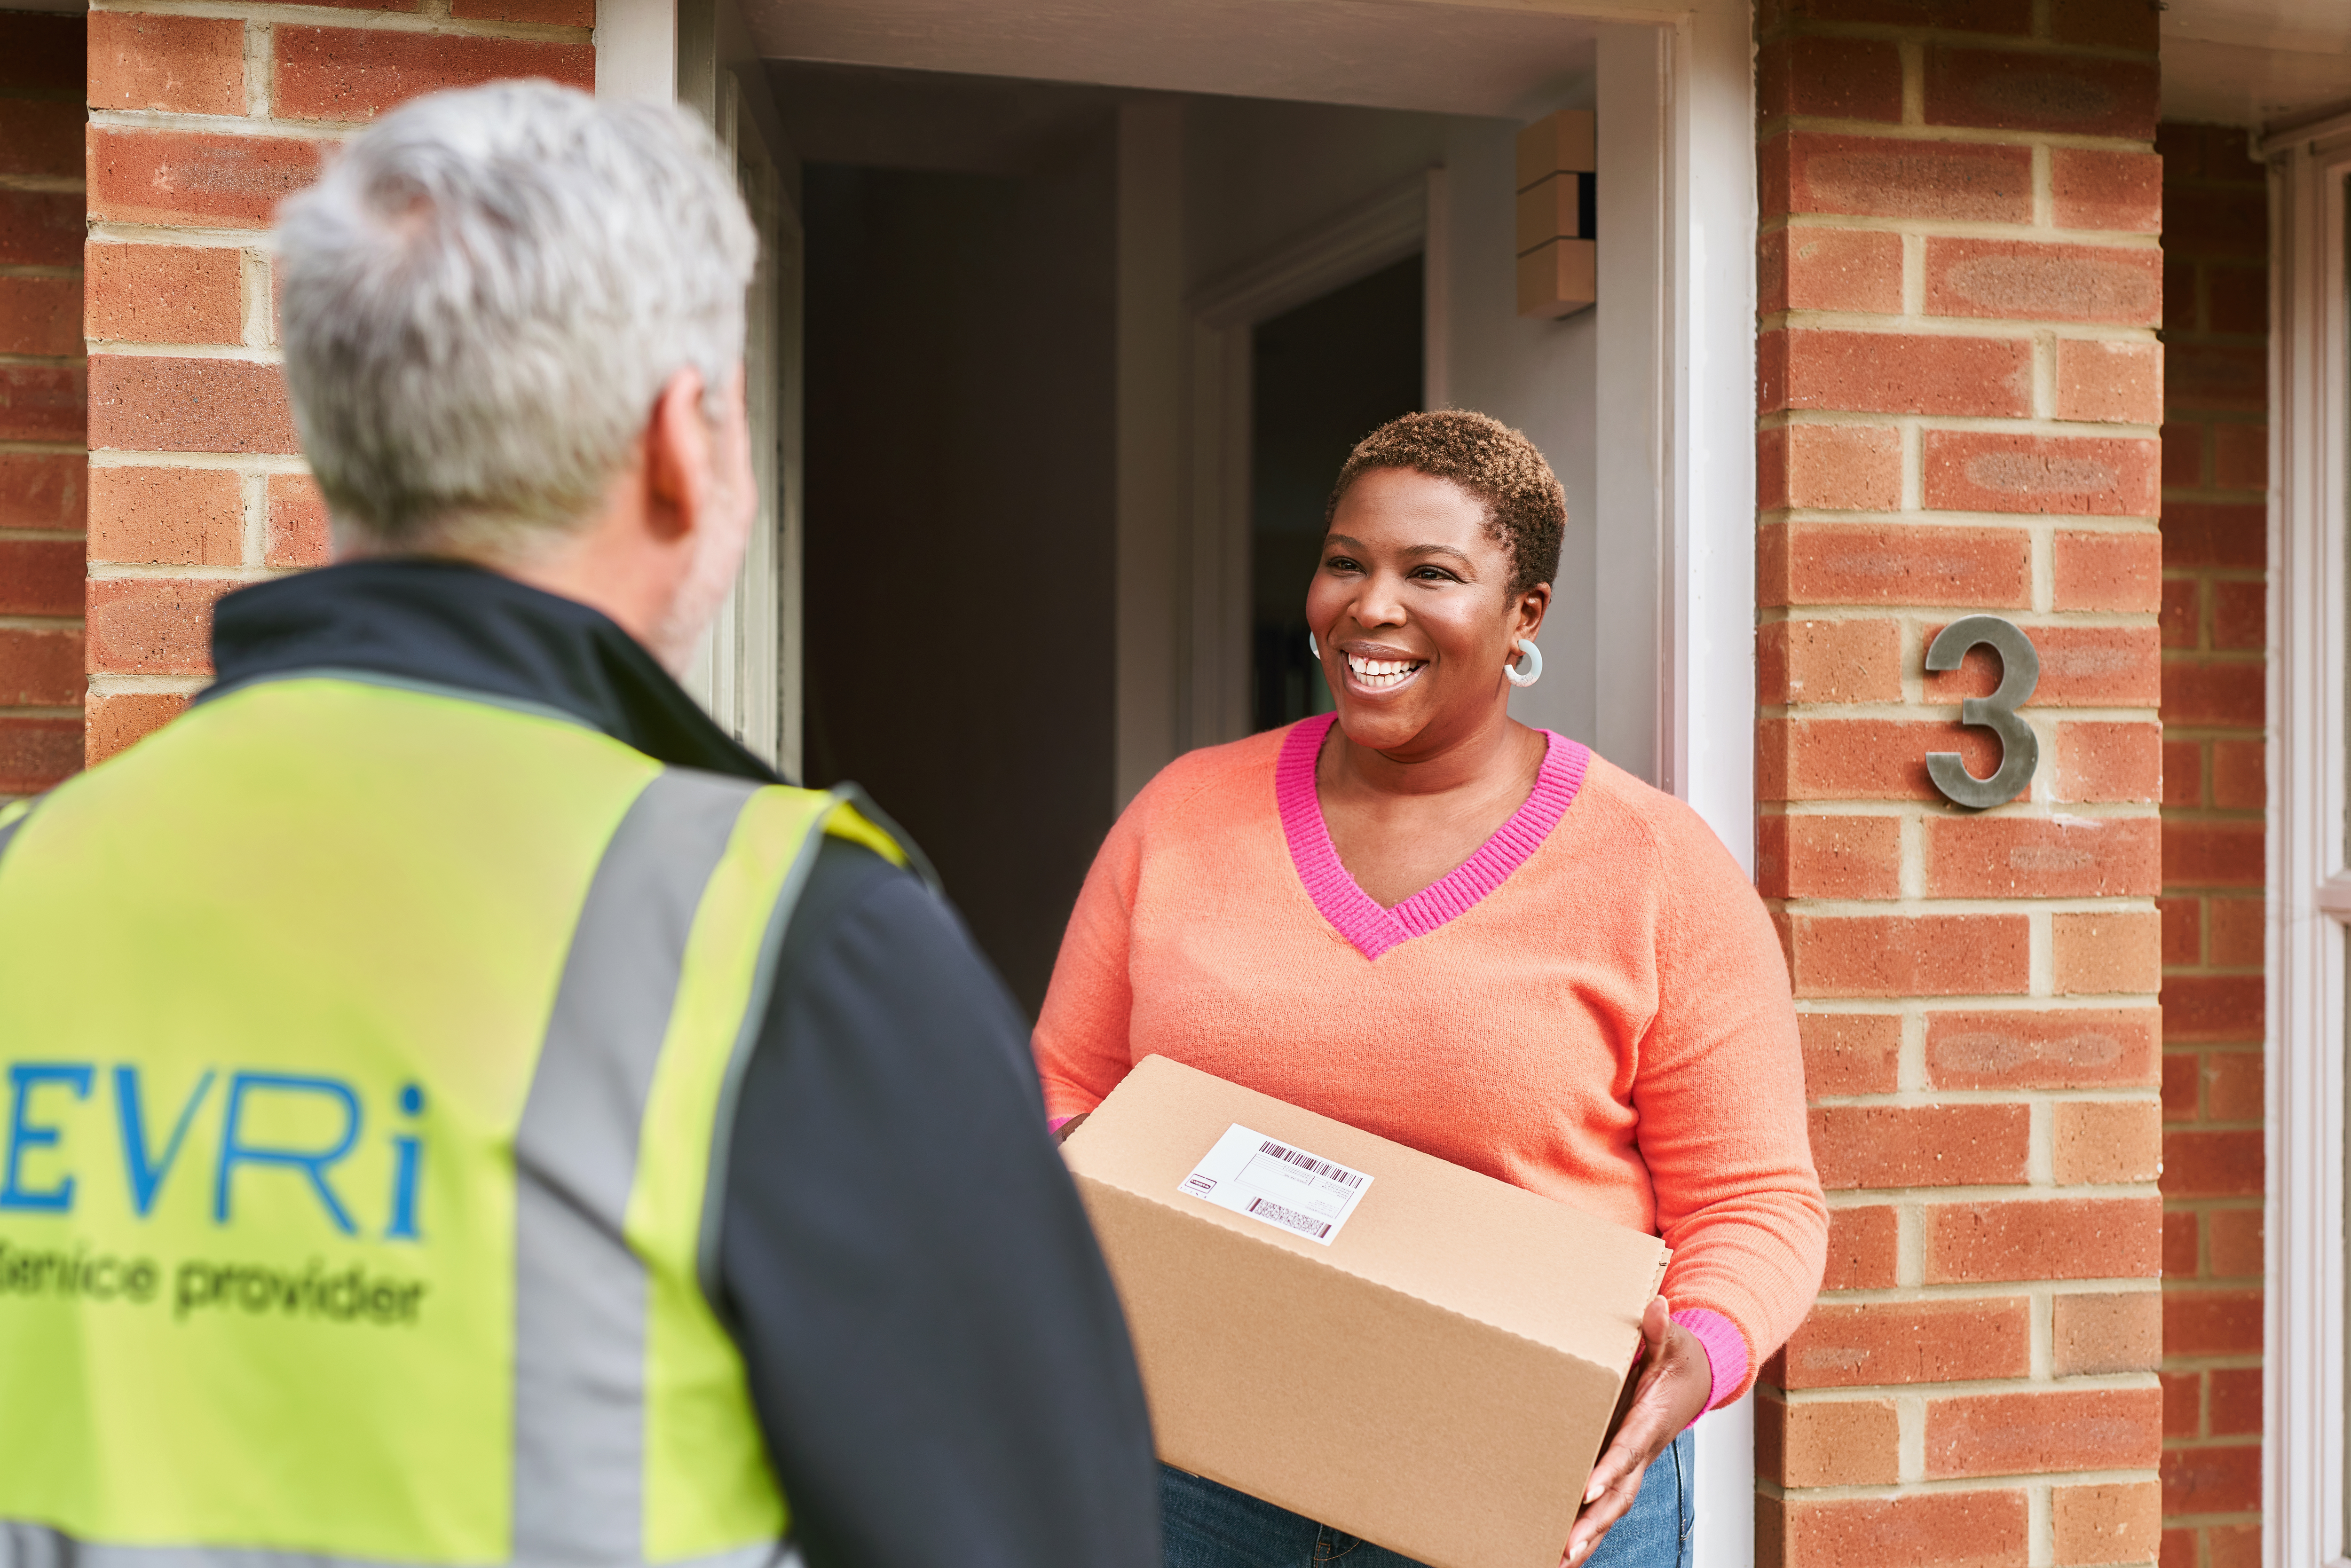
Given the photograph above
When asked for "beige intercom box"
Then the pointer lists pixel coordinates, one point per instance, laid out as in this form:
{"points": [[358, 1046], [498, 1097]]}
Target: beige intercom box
{"points": [[1386, 1343]]}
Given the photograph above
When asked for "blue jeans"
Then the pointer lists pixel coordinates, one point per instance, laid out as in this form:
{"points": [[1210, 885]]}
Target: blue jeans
{"points": [[1211, 1526]]}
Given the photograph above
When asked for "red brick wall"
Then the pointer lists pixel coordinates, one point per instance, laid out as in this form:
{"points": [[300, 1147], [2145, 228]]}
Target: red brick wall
{"points": [[199, 125], [1961, 393], [42, 401], [2215, 542]]}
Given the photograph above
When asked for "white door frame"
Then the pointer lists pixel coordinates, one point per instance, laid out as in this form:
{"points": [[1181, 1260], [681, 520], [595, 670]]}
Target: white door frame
{"points": [[1678, 456], [1222, 317], [2309, 894], [747, 670]]}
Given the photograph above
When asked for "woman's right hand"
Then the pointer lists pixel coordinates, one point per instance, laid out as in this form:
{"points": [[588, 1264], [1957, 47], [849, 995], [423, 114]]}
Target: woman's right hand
{"points": [[1677, 1380]]}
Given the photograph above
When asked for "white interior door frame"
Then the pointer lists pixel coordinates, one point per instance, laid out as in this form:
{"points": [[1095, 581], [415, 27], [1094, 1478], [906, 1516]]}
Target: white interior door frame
{"points": [[1221, 321], [2309, 894], [747, 672]]}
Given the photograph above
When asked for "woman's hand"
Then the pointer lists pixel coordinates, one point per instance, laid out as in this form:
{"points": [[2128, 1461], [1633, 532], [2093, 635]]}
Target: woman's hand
{"points": [[1676, 1381]]}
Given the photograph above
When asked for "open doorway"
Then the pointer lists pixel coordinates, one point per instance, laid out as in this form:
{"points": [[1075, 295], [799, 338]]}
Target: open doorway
{"points": [[959, 479], [970, 355], [1325, 375]]}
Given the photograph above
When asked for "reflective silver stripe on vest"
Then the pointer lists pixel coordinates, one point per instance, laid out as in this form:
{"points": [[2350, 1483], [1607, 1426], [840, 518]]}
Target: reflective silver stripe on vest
{"points": [[581, 1294], [34, 1546]]}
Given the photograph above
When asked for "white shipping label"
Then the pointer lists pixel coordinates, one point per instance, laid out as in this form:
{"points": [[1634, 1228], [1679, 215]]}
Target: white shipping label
{"points": [[1265, 1179]]}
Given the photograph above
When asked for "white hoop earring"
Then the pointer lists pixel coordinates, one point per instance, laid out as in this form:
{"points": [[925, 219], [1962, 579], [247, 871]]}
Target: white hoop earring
{"points": [[1529, 660], [1313, 649]]}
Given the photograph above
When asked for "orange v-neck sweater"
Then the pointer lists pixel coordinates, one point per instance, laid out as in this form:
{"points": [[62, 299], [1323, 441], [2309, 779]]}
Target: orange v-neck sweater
{"points": [[1594, 1009]]}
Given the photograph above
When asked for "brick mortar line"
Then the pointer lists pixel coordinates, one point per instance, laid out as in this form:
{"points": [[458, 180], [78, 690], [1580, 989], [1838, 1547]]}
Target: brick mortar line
{"points": [[237, 462], [2022, 230], [1967, 425], [1990, 329], [2020, 1094], [1915, 617], [104, 231], [173, 571], [35, 712], [40, 623], [1979, 329], [153, 121], [1880, 808], [35, 271], [2113, 815], [2099, 522], [42, 361], [1978, 1388], [1781, 125], [1928, 1006], [1949, 712], [1998, 904], [45, 535], [44, 184], [2005, 1481], [251, 354], [1905, 418], [43, 448], [354, 21], [2010, 1192], [122, 684]]}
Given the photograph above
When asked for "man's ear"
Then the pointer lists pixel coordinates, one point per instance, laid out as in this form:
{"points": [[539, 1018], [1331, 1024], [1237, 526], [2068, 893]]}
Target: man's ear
{"points": [[677, 458]]}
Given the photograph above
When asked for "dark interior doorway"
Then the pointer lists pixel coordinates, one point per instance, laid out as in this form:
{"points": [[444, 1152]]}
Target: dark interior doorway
{"points": [[1326, 374], [960, 491]]}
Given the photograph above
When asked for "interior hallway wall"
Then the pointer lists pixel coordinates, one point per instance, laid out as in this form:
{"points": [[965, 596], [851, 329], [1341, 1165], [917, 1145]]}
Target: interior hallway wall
{"points": [[44, 400], [2215, 552], [960, 489], [1259, 173]]}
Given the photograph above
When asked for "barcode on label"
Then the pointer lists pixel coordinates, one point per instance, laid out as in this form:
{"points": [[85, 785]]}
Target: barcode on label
{"points": [[1305, 1224], [1338, 1174]]}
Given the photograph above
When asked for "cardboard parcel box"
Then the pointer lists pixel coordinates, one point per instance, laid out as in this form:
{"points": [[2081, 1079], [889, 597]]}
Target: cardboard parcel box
{"points": [[1384, 1341]]}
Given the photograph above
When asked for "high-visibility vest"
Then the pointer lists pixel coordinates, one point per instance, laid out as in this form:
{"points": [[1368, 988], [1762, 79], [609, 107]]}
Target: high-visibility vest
{"points": [[369, 1056]]}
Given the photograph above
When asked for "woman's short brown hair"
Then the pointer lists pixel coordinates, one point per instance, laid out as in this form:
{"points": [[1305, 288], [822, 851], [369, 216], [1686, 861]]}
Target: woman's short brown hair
{"points": [[1526, 511]]}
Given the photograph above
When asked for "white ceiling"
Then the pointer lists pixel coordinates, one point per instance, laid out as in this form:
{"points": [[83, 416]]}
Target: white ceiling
{"points": [[1383, 54], [2255, 62]]}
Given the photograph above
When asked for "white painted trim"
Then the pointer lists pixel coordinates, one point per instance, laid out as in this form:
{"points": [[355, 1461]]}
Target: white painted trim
{"points": [[1706, 686], [1222, 317], [2310, 403], [1309, 265], [2278, 144], [636, 50]]}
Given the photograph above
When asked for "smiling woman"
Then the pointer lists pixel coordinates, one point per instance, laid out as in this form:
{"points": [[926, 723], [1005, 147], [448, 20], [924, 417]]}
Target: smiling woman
{"points": [[1419, 917]]}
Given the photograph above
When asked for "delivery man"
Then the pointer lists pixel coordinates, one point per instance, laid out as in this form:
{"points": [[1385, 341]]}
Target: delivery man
{"points": [[458, 1108]]}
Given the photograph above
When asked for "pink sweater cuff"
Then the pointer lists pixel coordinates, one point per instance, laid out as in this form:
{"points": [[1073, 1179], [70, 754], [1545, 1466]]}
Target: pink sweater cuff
{"points": [[1726, 1351], [1055, 1124]]}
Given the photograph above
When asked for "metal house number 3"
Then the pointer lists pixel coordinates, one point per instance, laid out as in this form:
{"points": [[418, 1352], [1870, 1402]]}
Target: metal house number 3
{"points": [[2020, 748]]}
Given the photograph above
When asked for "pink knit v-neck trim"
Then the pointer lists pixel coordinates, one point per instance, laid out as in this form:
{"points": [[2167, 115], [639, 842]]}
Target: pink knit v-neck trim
{"points": [[1354, 913]]}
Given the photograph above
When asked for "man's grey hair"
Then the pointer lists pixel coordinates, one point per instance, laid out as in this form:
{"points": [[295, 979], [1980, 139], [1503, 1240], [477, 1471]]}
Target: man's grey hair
{"points": [[483, 298]]}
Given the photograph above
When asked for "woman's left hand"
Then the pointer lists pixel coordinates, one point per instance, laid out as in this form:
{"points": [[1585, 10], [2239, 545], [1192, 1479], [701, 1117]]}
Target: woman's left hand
{"points": [[1677, 1380]]}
